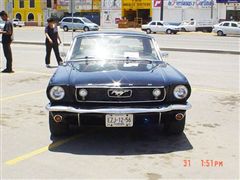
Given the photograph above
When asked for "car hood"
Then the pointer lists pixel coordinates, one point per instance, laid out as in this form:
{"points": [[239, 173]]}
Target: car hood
{"points": [[162, 75]]}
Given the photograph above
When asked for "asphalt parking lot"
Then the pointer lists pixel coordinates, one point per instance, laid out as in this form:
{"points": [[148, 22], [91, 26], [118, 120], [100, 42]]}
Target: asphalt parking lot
{"points": [[209, 147]]}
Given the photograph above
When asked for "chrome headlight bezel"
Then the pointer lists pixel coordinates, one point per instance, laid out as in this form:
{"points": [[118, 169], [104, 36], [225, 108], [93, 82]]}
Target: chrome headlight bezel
{"points": [[180, 92], [57, 93]]}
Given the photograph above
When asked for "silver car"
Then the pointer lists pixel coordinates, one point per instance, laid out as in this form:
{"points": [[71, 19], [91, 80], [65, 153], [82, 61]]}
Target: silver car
{"points": [[227, 28], [78, 23]]}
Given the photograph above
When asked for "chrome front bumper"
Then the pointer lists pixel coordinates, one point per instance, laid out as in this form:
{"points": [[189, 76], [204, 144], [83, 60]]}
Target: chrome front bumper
{"points": [[119, 110]]}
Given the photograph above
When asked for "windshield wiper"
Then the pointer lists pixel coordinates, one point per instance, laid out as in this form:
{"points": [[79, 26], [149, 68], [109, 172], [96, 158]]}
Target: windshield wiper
{"points": [[83, 58]]}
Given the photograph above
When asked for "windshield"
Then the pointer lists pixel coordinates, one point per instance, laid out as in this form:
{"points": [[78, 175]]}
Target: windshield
{"points": [[117, 47], [86, 20]]}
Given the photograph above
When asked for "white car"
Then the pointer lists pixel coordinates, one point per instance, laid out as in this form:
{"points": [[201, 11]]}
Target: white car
{"points": [[159, 26], [17, 22], [227, 28]]}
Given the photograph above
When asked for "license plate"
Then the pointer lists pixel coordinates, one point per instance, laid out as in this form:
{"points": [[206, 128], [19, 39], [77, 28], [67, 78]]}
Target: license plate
{"points": [[119, 120]]}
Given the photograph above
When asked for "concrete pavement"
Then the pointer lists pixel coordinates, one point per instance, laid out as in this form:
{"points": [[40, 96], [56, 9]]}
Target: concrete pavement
{"points": [[209, 147]]}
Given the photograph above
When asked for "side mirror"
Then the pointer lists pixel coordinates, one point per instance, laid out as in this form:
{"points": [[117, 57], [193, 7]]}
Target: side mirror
{"points": [[164, 54]]}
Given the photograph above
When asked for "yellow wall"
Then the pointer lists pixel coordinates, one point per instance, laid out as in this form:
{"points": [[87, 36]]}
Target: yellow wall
{"points": [[136, 4], [36, 11]]}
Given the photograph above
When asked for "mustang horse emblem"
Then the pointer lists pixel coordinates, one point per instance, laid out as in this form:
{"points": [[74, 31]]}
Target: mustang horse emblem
{"points": [[119, 93]]}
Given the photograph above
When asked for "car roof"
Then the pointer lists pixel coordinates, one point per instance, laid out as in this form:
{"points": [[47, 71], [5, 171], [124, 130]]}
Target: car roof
{"points": [[127, 33], [229, 22], [70, 17]]}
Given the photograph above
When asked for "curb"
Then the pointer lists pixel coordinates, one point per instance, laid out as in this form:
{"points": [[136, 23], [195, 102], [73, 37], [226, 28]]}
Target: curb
{"points": [[215, 51]]}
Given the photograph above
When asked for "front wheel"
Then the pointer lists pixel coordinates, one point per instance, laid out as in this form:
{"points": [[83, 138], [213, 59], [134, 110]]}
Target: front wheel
{"points": [[148, 31], [86, 29], [65, 28], [172, 126], [220, 33], [57, 129], [169, 31]]}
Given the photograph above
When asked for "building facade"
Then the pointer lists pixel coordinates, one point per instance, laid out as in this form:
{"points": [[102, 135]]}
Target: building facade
{"points": [[107, 13], [27, 10]]}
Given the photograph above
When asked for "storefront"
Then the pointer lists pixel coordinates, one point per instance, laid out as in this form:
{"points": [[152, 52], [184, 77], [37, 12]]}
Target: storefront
{"points": [[176, 11], [137, 10], [228, 10]]}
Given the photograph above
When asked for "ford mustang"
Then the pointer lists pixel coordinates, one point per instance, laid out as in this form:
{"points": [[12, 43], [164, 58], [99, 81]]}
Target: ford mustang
{"points": [[116, 79]]}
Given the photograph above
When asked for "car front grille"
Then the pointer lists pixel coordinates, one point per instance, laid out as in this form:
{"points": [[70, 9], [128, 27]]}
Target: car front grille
{"points": [[120, 94]]}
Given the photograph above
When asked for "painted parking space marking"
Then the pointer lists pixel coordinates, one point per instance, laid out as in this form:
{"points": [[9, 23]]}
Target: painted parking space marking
{"points": [[40, 151], [21, 95], [214, 90], [32, 72]]}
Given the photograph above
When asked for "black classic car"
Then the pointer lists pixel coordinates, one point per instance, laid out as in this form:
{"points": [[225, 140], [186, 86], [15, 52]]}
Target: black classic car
{"points": [[116, 79]]}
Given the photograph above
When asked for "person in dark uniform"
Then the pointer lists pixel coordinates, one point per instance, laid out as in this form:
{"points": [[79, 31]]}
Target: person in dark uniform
{"points": [[52, 42], [7, 38]]}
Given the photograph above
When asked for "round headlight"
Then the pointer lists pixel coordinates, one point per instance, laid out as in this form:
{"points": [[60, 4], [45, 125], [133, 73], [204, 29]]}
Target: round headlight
{"points": [[156, 93], [57, 93], [180, 92], [83, 93]]}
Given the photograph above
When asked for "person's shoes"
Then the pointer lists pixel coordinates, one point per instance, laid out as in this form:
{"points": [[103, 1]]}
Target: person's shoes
{"points": [[48, 66], [7, 71]]}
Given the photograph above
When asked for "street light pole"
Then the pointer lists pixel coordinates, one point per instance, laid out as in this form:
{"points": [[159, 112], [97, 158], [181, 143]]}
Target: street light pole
{"points": [[161, 13], [212, 1]]}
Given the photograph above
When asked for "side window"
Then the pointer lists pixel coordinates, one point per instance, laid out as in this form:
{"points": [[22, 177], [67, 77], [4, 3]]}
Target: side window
{"points": [[153, 23], [234, 25], [67, 20], [159, 24], [77, 21], [226, 24]]}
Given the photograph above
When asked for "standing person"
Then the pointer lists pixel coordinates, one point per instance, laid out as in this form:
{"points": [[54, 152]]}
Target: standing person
{"points": [[52, 42], [7, 38]]}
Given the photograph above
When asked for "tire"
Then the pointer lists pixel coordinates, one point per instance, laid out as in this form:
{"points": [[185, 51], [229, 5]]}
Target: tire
{"points": [[148, 31], [172, 126], [85, 29], [65, 28], [220, 33], [74, 30], [57, 129], [168, 31], [14, 25]]}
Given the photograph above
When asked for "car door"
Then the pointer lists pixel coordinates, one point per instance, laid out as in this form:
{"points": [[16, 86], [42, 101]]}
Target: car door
{"points": [[78, 24], [153, 26], [225, 28], [160, 27], [191, 26], [234, 28]]}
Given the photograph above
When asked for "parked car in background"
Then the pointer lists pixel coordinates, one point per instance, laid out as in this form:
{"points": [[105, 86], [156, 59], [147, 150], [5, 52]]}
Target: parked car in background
{"points": [[116, 79], [18, 23], [193, 25], [160, 26], [78, 23], [227, 28]]}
